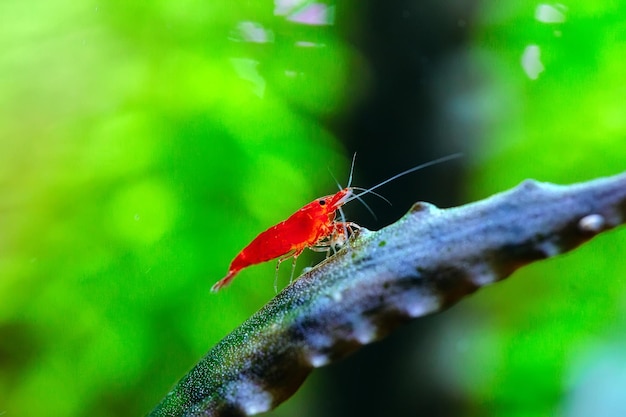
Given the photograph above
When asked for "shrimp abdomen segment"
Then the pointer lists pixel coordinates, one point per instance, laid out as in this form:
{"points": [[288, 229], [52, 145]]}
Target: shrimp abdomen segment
{"points": [[285, 240]]}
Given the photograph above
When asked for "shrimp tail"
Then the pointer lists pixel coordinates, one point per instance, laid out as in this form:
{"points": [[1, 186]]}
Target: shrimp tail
{"points": [[225, 281]]}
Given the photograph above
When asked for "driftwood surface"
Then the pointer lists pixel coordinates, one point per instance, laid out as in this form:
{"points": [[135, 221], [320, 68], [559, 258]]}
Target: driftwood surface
{"points": [[423, 263]]}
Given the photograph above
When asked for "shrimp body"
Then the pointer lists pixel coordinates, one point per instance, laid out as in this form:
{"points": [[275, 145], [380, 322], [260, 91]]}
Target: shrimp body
{"points": [[312, 225]]}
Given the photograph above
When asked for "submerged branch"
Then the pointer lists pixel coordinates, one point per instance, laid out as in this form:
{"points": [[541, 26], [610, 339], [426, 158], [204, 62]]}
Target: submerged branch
{"points": [[421, 264]]}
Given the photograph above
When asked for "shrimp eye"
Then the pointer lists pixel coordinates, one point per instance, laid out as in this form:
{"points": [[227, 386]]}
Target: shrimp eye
{"points": [[322, 202]]}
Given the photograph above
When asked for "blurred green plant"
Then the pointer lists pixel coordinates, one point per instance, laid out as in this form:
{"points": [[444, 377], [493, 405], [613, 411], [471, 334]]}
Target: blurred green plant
{"points": [[136, 161]]}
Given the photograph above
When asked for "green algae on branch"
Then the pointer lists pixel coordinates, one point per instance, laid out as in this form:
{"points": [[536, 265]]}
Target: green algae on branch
{"points": [[423, 263]]}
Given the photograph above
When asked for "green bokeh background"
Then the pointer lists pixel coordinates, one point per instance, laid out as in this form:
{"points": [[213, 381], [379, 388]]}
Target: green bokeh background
{"points": [[142, 145]]}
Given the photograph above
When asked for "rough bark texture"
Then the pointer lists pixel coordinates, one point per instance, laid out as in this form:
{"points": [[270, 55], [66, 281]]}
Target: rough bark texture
{"points": [[423, 263]]}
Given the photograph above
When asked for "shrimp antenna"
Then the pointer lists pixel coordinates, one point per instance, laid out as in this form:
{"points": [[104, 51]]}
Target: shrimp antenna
{"points": [[365, 204], [408, 171], [382, 197], [351, 170], [358, 197], [336, 182], [349, 178], [362, 189]]}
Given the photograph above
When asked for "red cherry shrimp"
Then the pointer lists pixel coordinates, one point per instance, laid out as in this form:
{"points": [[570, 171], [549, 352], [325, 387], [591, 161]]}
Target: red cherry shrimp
{"points": [[313, 226]]}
